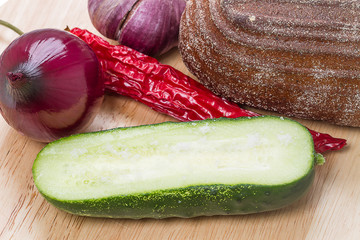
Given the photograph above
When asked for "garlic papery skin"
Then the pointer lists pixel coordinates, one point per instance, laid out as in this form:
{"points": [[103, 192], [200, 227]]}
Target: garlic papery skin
{"points": [[148, 26]]}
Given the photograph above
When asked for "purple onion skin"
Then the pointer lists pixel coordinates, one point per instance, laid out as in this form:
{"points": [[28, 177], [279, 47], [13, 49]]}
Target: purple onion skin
{"points": [[148, 26], [51, 84]]}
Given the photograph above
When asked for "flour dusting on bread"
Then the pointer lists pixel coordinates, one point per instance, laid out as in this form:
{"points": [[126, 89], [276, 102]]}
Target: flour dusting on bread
{"points": [[296, 57]]}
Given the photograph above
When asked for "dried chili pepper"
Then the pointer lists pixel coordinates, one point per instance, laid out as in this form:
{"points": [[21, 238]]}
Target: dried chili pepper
{"points": [[167, 90]]}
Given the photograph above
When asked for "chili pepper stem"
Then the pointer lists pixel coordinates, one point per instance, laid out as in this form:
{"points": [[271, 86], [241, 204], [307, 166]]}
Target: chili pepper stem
{"points": [[12, 27]]}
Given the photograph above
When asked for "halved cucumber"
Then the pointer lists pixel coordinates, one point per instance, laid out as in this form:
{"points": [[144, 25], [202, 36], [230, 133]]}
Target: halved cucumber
{"points": [[211, 167]]}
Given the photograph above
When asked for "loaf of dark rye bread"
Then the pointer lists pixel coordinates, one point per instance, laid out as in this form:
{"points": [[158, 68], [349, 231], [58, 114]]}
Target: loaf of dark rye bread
{"points": [[296, 57]]}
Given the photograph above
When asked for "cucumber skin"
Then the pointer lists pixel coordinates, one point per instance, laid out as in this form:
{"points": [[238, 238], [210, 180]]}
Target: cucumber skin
{"points": [[192, 201]]}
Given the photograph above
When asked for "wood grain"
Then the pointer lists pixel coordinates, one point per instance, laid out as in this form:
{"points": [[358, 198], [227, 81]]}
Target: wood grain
{"points": [[331, 209]]}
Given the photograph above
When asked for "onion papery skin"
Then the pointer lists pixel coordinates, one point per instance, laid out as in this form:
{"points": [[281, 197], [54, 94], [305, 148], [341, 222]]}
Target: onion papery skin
{"points": [[59, 89], [148, 26]]}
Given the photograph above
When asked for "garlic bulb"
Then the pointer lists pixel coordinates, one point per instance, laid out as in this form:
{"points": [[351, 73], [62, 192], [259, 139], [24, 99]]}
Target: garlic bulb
{"points": [[148, 26]]}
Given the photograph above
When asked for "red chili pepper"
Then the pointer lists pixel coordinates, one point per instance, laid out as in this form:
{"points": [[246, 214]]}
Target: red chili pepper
{"points": [[167, 90]]}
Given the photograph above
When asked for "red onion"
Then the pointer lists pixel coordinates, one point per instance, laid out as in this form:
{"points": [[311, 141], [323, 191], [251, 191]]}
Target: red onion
{"points": [[148, 26], [50, 84]]}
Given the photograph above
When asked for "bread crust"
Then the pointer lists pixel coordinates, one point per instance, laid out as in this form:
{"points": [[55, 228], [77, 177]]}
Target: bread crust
{"points": [[297, 58]]}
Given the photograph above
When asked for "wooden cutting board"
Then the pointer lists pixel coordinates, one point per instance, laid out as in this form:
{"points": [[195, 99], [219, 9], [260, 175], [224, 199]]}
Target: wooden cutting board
{"points": [[330, 210]]}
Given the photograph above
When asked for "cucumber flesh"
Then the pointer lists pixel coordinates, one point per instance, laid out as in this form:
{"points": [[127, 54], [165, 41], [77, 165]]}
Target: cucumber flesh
{"points": [[267, 154]]}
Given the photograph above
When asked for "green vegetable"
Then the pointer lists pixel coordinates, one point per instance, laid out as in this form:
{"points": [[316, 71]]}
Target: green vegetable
{"points": [[211, 167]]}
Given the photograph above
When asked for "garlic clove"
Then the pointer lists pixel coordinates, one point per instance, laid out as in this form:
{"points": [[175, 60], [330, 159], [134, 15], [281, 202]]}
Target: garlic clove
{"points": [[108, 15], [157, 21]]}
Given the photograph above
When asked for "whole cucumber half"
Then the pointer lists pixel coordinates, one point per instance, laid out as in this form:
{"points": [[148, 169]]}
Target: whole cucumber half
{"points": [[210, 167]]}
